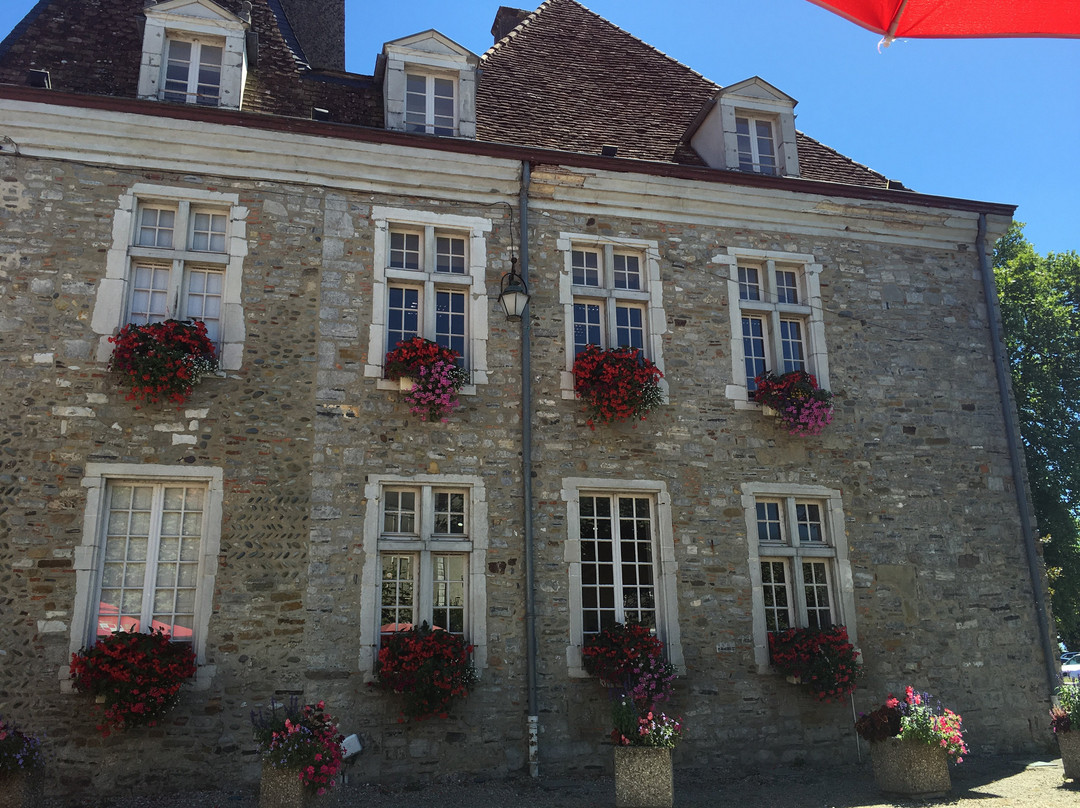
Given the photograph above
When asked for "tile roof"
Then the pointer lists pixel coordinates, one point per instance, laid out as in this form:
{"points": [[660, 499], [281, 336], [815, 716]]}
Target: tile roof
{"points": [[565, 78]]}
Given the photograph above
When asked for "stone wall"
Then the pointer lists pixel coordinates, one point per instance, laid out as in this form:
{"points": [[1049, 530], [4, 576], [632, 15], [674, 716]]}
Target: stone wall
{"points": [[943, 596]]}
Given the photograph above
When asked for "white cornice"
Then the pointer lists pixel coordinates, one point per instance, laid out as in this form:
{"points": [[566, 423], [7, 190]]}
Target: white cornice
{"points": [[138, 142]]}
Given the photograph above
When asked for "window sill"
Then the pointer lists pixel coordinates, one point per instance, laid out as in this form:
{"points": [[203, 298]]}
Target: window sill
{"points": [[394, 386]]}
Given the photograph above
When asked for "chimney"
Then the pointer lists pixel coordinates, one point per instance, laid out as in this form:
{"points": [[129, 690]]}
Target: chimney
{"points": [[506, 20], [319, 26]]}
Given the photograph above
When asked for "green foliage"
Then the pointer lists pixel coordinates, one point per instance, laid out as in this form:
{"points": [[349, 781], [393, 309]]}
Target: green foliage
{"points": [[1040, 307]]}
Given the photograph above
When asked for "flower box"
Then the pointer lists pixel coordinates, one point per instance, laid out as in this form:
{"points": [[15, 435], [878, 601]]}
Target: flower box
{"points": [[428, 374], [795, 398], [162, 360], [911, 767], [643, 777], [618, 384]]}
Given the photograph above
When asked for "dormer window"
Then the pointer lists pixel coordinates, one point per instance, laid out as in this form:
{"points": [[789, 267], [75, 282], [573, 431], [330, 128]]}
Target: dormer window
{"points": [[194, 52], [749, 126], [429, 86], [430, 104]]}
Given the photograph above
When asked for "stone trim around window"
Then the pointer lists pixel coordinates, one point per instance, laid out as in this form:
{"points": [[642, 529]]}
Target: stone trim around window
{"points": [[843, 581], [370, 574], [113, 298], [667, 568], [809, 311], [473, 228], [651, 297], [88, 553], [198, 20]]}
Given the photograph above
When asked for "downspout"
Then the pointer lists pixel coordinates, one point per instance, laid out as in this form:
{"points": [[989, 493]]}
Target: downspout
{"points": [[1012, 432], [526, 482]]}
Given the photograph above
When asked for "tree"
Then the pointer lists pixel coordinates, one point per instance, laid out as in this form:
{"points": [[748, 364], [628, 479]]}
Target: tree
{"points": [[1040, 308]]}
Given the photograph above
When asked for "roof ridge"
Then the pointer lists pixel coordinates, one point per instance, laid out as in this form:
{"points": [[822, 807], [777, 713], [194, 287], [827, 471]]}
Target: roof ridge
{"points": [[513, 32]]}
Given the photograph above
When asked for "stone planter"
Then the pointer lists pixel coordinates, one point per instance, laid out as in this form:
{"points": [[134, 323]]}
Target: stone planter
{"points": [[910, 767], [281, 788], [643, 777], [21, 790], [1069, 744]]}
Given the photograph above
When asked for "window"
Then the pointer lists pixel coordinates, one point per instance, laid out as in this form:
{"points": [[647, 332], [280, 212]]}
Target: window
{"points": [[429, 86], [620, 553], [612, 297], [430, 272], [182, 258], [425, 550], [756, 145], [777, 320], [799, 567], [192, 72], [148, 555], [429, 104], [193, 52]]}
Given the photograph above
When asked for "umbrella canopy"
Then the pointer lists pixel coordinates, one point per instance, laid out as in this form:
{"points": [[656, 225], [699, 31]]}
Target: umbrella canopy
{"points": [[961, 18]]}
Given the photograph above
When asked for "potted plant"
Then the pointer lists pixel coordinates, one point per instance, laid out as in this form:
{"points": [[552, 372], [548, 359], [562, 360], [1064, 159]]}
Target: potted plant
{"points": [[137, 676], [1065, 723], [805, 408], [429, 375], [616, 384], [301, 753], [643, 739], [21, 764], [429, 666], [162, 360], [822, 659], [911, 743]]}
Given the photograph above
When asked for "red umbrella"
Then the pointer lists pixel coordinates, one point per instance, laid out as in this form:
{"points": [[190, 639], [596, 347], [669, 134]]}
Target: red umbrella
{"points": [[945, 19]]}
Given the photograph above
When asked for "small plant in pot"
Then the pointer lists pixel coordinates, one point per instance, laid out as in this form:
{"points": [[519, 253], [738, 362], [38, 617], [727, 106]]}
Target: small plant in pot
{"points": [[300, 749], [1065, 723]]}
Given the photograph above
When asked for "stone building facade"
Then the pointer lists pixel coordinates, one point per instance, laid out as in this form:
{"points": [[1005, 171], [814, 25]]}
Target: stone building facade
{"points": [[295, 445]]}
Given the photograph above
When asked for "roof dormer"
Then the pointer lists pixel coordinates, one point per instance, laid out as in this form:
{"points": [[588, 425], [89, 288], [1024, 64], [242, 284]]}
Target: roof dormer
{"points": [[194, 52], [429, 85], [749, 126]]}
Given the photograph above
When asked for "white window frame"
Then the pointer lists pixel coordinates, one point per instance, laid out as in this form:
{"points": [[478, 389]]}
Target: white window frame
{"points": [[472, 283], [808, 311], [375, 543], [114, 294], [665, 566], [89, 554], [428, 125], [199, 21], [834, 550], [191, 89], [650, 298], [755, 157], [433, 55]]}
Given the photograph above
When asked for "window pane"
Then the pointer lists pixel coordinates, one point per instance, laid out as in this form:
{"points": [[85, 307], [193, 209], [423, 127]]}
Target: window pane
{"points": [[448, 592], [627, 272], [402, 316], [399, 511], [586, 267], [816, 585], [768, 522], [808, 515], [203, 299], [149, 294], [586, 326], [450, 513], [404, 250], [398, 598], [177, 71], [208, 232], [787, 287], [753, 329], [595, 529], [630, 327], [791, 342], [156, 228], [749, 283], [444, 112], [775, 593], [450, 321], [450, 255], [636, 555]]}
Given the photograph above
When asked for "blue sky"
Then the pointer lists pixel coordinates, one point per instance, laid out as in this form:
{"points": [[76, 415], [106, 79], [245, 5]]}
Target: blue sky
{"points": [[996, 120]]}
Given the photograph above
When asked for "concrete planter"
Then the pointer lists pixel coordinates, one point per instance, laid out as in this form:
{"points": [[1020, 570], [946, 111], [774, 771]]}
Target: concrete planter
{"points": [[910, 767], [281, 788], [21, 790], [1069, 744], [643, 777]]}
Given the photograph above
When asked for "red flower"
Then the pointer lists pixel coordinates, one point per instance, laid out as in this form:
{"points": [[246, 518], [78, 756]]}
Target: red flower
{"points": [[429, 666], [172, 356], [616, 384]]}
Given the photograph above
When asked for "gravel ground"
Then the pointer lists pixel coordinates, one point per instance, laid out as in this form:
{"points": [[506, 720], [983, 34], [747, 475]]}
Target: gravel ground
{"points": [[977, 783]]}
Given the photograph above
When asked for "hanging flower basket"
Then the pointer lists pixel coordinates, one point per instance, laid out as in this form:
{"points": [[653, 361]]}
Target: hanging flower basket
{"points": [[796, 399], [162, 360], [616, 384], [429, 666], [429, 375], [138, 674], [821, 659]]}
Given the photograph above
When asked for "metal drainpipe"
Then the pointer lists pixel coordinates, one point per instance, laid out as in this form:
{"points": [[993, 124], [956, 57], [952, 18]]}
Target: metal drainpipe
{"points": [[1027, 522], [526, 481]]}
